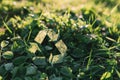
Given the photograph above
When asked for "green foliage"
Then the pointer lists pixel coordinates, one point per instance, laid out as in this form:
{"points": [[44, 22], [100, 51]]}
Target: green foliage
{"points": [[8, 55], [39, 40]]}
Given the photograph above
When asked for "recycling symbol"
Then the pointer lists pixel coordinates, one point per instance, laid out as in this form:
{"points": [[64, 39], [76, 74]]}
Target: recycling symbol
{"points": [[59, 44]]}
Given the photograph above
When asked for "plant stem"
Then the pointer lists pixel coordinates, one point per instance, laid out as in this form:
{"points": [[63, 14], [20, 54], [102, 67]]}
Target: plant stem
{"points": [[89, 60]]}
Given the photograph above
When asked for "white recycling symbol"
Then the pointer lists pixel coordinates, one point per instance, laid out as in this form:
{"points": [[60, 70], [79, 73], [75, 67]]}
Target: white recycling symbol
{"points": [[60, 45]]}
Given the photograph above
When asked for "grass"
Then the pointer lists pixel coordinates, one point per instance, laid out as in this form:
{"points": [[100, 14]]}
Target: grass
{"points": [[60, 40]]}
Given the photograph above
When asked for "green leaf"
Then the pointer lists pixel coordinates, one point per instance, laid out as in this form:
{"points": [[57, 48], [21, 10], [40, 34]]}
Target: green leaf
{"points": [[118, 73], [1, 78], [105, 76], [18, 46], [36, 76], [17, 78], [28, 78], [66, 71], [110, 39], [78, 52], [57, 78], [18, 71], [43, 76], [4, 43], [14, 71], [81, 74], [117, 54], [2, 70], [48, 48], [111, 61], [39, 61], [9, 66], [8, 55], [31, 70], [19, 60], [7, 27]]}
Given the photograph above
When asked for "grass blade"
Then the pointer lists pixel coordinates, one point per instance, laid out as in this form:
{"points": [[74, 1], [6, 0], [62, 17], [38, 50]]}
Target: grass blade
{"points": [[7, 27], [118, 73], [89, 60]]}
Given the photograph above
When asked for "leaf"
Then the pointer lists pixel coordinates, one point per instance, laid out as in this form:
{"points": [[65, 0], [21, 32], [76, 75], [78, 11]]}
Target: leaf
{"points": [[31, 70], [57, 78], [19, 60], [14, 71], [4, 43], [7, 27], [2, 31], [111, 61], [78, 52], [18, 46], [105, 76], [36, 76], [28, 78], [43, 76], [117, 55], [50, 58], [61, 47], [1, 78], [9, 66], [118, 73], [17, 78], [110, 39], [48, 48], [41, 36], [8, 55], [2, 70], [39, 61], [103, 52], [114, 9], [66, 71], [18, 71]]}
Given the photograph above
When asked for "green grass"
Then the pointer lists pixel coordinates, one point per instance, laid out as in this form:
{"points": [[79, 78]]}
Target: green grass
{"points": [[60, 40]]}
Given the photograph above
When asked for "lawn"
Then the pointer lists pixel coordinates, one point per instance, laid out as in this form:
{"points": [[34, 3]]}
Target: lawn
{"points": [[59, 39]]}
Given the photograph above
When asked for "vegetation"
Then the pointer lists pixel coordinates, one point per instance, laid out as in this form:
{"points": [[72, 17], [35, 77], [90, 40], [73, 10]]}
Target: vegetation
{"points": [[59, 40]]}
